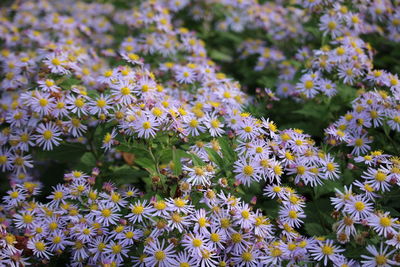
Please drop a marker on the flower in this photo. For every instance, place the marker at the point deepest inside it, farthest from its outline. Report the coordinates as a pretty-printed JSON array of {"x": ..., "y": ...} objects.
[
  {"x": 383, "y": 224},
  {"x": 324, "y": 251},
  {"x": 139, "y": 211},
  {"x": 39, "y": 248},
  {"x": 379, "y": 258},
  {"x": 47, "y": 135},
  {"x": 146, "y": 126},
  {"x": 246, "y": 172},
  {"x": 107, "y": 213},
  {"x": 158, "y": 255}
]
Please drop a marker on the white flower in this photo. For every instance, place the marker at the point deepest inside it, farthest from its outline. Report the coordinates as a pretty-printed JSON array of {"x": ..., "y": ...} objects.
[
  {"x": 379, "y": 258},
  {"x": 158, "y": 255},
  {"x": 325, "y": 250},
  {"x": 39, "y": 248},
  {"x": 48, "y": 135}
]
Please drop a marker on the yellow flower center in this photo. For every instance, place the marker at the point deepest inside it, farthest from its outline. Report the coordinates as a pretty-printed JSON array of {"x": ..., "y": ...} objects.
[
  {"x": 385, "y": 222},
  {"x": 101, "y": 103},
  {"x": 106, "y": 213},
  {"x": 247, "y": 256},
  {"x": 79, "y": 102},
  {"x": 301, "y": 170},
  {"x": 40, "y": 246},
  {"x": 248, "y": 129},
  {"x": 380, "y": 176},
  {"x": 308, "y": 84},
  {"x": 215, "y": 237},
  {"x": 248, "y": 170},
  {"x": 236, "y": 238},
  {"x": 380, "y": 259},
  {"x": 146, "y": 125},
  {"x": 331, "y": 25},
  {"x": 327, "y": 250},
  {"x": 43, "y": 102},
  {"x": 159, "y": 255},
  {"x": 116, "y": 249},
  {"x": 138, "y": 209},
  {"x": 215, "y": 123},
  {"x": 293, "y": 214},
  {"x": 197, "y": 242},
  {"x": 245, "y": 214},
  {"x": 358, "y": 205},
  {"x": 47, "y": 134},
  {"x": 49, "y": 83}
]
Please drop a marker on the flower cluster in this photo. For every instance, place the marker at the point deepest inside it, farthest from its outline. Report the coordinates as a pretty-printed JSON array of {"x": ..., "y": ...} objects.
[{"x": 204, "y": 181}]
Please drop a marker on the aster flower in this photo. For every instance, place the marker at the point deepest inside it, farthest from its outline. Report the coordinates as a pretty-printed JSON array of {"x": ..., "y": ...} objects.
[
  {"x": 246, "y": 172},
  {"x": 108, "y": 140},
  {"x": 360, "y": 144},
  {"x": 378, "y": 179},
  {"x": 48, "y": 85},
  {"x": 39, "y": 248},
  {"x": 139, "y": 212},
  {"x": 158, "y": 255},
  {"x": 146, "y": 126},
  {"x": 214, "y": 125},
  {"x": 193, "y": 125},
  {"x": 116, "y": 251},
  {"x": 198, "y": 175},
  {"x": 183, "y": 259},
  {"x": 383, "y": 224},
  {"x": 330, "y": 25},
  {"x": 194, "y": 244},
  {"x": 291, "y": 216},
  {"x": 123, "y": 92},
  {"x": 48, "y": 135},
  {"x": 324, "y": 251},
  {"x": 248, "y": 258},
  {"x": 379, "y": 258},
  {"x": 185, "y": 75},
  {"x": 107, "y": 214},
  {"x": 77, "y": 105},
  {"x": 42, "y": 103},
  {"x": 358, "y": 207},
  {"x": 101, "y": 105},
  {"x": 57, "y": 63}
]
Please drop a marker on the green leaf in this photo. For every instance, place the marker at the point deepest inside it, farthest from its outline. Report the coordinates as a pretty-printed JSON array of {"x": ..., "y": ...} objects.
[
  {"x": 177, "y": 161},
  {"x": 68, "y": 152},
  {"x": 146, "y": 163},
  {"x": 88, "y": 159},
  {"x": 227, "y": 150},
  {"x": 314, "y": 229},
  {"x": 220, "y": 56},
  {"x": 327, "y": 187},
  {"x": 215, "y": 157},
  {"x": 196, "y": 160},
  {"x": 68, "y": 83},
  {"x": 126, "y": 174}
]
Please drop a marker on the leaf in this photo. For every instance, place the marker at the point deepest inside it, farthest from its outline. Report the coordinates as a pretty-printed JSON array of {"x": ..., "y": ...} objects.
[
  {"x": 220, "y": 56},
  {"x": 327, "y": 187},
  {"x": 88, "y": 159},
  {"x": 68, "y": 152},
  {"x": 146, "y": 163},
  {"x": 177, "y": 161},
  {"x": 227, "y": 150},
  {"x": 196, "y": 160},
  {"x": 312, "y": 110},
  {"x": 68, "y": 83},
  {"x": 215, "y": 157},
  {"x": 126, "y": 174},
  {"x": 314, "y": 229}
]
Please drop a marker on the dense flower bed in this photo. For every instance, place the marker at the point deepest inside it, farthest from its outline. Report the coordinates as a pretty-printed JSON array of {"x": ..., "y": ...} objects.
[{"x": 143, "y": 134}]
